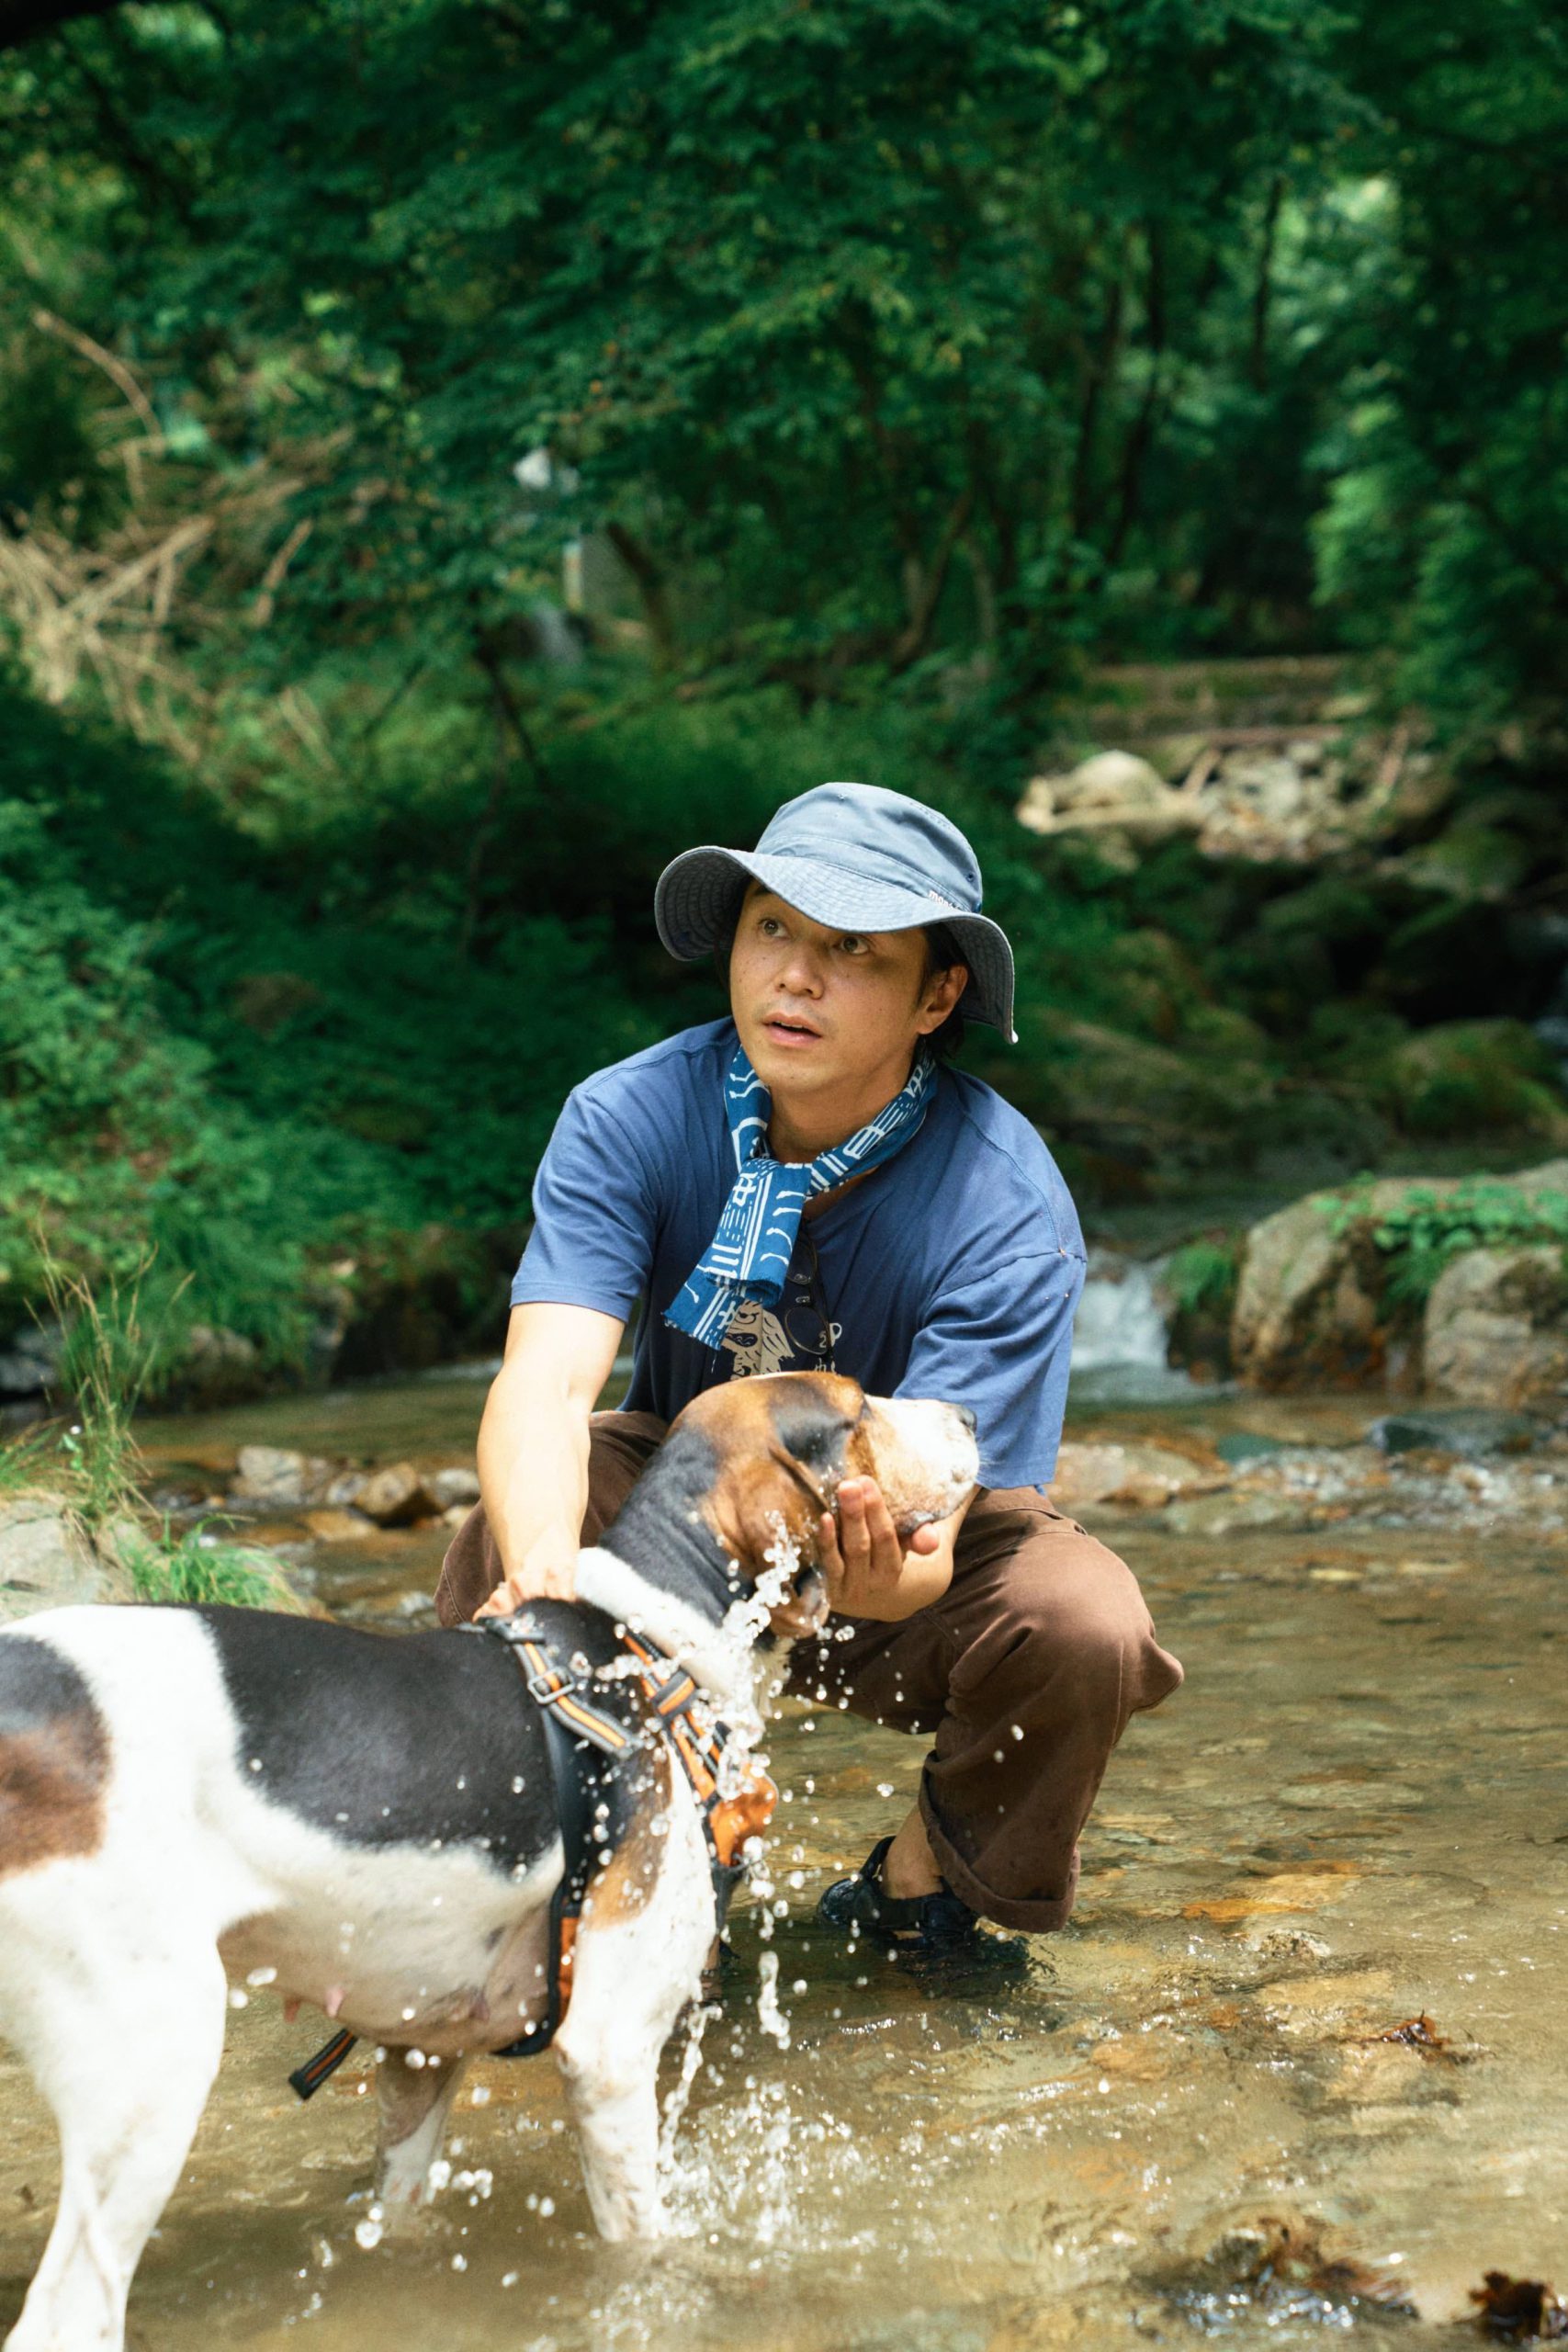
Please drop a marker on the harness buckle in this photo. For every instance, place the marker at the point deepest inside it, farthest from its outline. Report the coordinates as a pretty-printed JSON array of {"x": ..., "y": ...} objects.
[{"x": 547, "y": 1685}]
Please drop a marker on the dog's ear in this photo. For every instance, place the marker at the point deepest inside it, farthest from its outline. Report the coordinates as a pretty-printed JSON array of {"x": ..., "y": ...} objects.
[
  {"x": 781, "y": 1444},
  {"x": 765, "y": 1507}
]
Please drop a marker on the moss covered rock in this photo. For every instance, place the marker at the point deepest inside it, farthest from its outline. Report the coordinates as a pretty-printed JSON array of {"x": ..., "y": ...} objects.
[
  {"x": 1496, "y": 1328},
  {"x": 1320, "y": 1301}
]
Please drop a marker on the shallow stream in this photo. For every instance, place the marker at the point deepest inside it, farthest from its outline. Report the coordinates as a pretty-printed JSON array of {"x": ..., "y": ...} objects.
[{"x": 1208, "y": 2107}]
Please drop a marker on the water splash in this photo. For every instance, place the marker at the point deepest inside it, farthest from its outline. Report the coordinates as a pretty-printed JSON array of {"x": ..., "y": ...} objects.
[{"x": 769, "y": 2016}]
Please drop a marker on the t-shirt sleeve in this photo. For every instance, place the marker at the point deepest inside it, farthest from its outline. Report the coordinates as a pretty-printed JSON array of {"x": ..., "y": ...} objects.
[
  {"x": 1001, "y": 1345},
  {"x": 594, "y": 1216}
]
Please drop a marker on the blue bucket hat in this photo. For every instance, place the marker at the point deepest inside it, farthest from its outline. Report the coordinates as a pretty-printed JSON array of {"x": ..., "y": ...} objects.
[{"x": 857, "y": 857}]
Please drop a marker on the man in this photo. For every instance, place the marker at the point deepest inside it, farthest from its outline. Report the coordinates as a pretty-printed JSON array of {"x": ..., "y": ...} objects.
[{"x": 808, "y": 1184}]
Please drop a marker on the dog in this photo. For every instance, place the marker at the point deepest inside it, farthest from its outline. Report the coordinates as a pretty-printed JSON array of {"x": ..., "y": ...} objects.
[{"x": 369, "y": 1822}]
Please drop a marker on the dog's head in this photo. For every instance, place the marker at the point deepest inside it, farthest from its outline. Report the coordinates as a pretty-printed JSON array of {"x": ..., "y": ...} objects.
[{"x": 782, "y": 1446}]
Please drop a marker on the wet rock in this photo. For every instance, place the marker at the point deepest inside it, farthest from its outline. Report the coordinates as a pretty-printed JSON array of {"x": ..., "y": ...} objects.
[
  {"x": 1272, "y": 1940},
  {"x": 331, "y": 1526},
  {"x": 1496, "y": 1326},
  {"x": 342, "y": 1489},
  {"x": 1307, "y": 1308},
  {"x": 46, "y": 1562},
  {"x": 1310, "y": 1310},
  {"x": 396, "y": 1496},
  {"x": 1238, "y": 1446},
  {"x": 1136, "y": 1473},
  {"x": 31, "y": 1357},
  {"x": 1224, "y": 1514},
  {"x": 217, "y": 1366},
  {"x": 1470, "y": 1430},
  {"x": 1142, "y": 1105},
  {"x": 1462, "y": 1078},
  {"x": 454, "y": 1486},
  {"x": 1283, "y": 2269},
  {"x": 280, "y": 1476}
]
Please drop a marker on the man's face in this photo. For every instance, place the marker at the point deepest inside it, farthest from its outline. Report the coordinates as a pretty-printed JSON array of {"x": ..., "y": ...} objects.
[{"x": 818, "y": 1008}]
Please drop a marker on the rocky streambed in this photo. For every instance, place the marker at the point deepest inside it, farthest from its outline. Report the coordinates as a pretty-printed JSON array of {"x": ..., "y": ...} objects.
[{"x": 1297, "y": 2063}]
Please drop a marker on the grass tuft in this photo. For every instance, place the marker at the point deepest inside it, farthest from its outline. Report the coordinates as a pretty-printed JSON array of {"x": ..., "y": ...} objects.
[{"x": 198, "y": 1567}]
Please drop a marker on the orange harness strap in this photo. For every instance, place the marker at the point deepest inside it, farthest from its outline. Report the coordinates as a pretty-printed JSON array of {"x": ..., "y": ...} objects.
[{"x": 731, "y": 1815}]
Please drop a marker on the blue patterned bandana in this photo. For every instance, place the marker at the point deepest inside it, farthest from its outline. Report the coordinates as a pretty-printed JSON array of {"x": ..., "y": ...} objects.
[{"x": 748, "y": 1256}]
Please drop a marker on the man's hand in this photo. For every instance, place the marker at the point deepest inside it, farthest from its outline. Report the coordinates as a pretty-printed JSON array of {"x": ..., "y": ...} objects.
[
  {"x": 549, "y": 1573},
  {"x": 869, "y": 1572}
]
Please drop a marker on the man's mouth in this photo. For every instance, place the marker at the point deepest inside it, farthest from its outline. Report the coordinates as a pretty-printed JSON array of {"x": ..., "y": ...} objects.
[{"x": 789, "y": 1029}]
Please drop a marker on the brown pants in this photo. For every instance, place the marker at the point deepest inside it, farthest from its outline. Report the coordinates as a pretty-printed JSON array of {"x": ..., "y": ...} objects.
[{"x": 1027, "y": 1672}]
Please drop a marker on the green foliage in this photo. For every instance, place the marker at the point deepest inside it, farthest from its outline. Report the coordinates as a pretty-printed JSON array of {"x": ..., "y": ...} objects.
[
  {"x": 1202, "y": 1277},
  {"x": 886, "y": 360},
  {"x": 1421, "y": 1234}
]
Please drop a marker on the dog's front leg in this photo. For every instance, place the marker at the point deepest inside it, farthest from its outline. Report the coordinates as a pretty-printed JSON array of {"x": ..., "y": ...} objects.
[
  {"x": 414, "y": 2103},
  {"x": 639, "y": 1953}
]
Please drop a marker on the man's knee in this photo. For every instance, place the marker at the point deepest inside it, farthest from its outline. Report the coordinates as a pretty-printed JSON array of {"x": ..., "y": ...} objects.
[{"x": 1079, "y": 1625}]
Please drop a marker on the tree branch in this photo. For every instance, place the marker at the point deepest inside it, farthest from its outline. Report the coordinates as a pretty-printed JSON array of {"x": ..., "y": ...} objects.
[
  {"x": 1263, "y": 291},
  {"x": 1138, "y": 440},
  {"x": 910, "y": 642},
  {"x": 652, "y": 586}
]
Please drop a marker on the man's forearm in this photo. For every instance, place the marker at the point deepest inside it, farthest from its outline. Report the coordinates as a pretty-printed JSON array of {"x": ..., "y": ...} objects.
[
  {"x": 534, "y": 1443},
  {"x": 533, "y": 1463}
]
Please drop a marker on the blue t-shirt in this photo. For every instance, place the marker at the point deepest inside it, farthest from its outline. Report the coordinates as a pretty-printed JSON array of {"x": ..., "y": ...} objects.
[{"x": 952, "y": 1270}]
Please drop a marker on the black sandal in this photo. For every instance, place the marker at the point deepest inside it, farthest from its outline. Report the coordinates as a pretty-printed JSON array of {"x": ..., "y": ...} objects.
[{"x": 940, "y": 1922}]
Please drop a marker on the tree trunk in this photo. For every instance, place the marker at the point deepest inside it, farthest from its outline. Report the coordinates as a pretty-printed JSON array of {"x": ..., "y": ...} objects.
[{"x": 652, "y": 586}]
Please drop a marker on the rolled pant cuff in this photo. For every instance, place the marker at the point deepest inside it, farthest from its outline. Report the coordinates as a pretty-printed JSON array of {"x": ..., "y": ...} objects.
[{"x": 1040, "y": 1918}]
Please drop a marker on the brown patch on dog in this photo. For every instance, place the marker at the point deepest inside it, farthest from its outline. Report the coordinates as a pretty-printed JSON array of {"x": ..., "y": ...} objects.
[
  {"x": 52, "y": 1778},
  {"x": 763, "y": 1487},
  {"x": 623, "y": 1887}
]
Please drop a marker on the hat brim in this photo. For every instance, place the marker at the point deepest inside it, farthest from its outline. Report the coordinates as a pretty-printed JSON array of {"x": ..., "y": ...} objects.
[{"x": 698, "y": 893}]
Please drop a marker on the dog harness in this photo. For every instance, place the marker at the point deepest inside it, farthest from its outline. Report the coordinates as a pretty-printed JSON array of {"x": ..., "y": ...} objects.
[{"x": 589, "y": 1746}]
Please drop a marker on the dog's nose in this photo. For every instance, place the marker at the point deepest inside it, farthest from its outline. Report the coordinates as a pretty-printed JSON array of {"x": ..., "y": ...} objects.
[{"x": 967, "y": 1418}]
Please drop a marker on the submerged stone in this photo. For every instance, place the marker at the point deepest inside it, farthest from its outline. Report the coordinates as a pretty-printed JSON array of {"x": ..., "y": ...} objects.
[{"x": 1470, "y": 1429}]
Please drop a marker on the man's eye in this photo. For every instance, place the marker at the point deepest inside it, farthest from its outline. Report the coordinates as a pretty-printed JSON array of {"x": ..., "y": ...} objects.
[{"x": 852, "y": 944}]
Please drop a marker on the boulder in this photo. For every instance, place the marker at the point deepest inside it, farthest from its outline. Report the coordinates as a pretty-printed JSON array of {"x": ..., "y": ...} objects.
[
  {"x": 1309, "y": 1309},
  {"x": 30, "y": 1359},
  {"x": 1496, "y": 1326},
  {"x": 451, "y": 1488},
  {"x": 280, "y": 1476},
  {"x": 1133, "y": 1473},
  {"x": 216, "y": 1366},
  {"x": 1116, "y": 792},
  {"x": 46, "y": 1562},
  {"x": 1306, "y": 1308},
  {"x": 396, "y": 1496}
]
